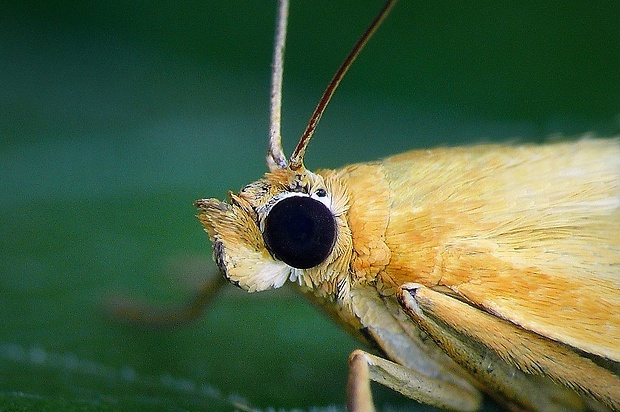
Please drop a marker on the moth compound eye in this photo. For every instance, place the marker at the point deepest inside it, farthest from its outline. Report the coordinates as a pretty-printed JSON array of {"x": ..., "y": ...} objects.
[{"x": 300, "y": 231}]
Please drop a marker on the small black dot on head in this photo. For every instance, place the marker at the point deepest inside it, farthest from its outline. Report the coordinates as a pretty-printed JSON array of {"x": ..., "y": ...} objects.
[{"x": 321, "y": 193}]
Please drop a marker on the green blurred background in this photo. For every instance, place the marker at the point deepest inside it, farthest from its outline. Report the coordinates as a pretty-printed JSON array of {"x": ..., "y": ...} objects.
[{"x": 115, "y": 116}]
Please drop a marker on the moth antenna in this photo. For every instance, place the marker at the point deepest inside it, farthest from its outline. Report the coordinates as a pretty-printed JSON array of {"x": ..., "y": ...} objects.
[
  {"x": 276, "y": 159},
  {"x": 296, "y": 161}
]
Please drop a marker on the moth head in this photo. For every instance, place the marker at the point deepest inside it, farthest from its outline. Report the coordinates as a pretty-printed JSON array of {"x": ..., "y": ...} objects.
[
  {"x": 275, "y": 229},
  {"x": 291, "y": 223}
]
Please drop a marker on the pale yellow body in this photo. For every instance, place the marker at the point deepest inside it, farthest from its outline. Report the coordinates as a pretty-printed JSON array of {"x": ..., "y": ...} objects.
[
  {"x": 524, "y": 240},
  {"x": 529, "y": 233}
]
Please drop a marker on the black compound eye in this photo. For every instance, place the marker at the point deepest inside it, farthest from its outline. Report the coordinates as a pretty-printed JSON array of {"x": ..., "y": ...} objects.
[{"x": 300, "y": 231}]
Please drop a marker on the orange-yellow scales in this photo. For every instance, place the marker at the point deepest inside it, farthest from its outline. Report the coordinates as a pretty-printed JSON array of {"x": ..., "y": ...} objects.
[{"x": 529, "y": 234}]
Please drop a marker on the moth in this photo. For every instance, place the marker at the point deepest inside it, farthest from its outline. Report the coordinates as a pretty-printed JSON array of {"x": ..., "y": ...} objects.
[{"x": 483, "y": 269}]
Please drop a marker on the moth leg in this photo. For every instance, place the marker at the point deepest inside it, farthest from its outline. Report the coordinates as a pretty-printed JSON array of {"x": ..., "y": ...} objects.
[
  {"x": 130, "y": 311},
  {"x": 359, "y": 395},
  {"x": 507, "y": 359},
  {"x": 364, "y": 367}
]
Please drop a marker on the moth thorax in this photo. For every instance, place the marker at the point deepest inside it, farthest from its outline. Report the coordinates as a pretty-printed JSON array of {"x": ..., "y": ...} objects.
[{"x": 300, "y": 230}]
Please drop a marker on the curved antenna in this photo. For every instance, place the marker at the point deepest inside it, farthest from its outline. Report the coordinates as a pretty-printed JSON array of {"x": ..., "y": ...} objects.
[
  {"x": 276, "y": 159},
  {"x": 296, "y": 161}
]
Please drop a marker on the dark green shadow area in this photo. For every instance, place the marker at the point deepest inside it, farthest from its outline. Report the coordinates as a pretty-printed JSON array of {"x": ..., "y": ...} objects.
[{"x": 115, "y": 117}]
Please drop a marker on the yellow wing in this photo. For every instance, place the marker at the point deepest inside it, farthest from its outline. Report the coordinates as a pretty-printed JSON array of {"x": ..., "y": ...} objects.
[{"x": 528, "y": 233}]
